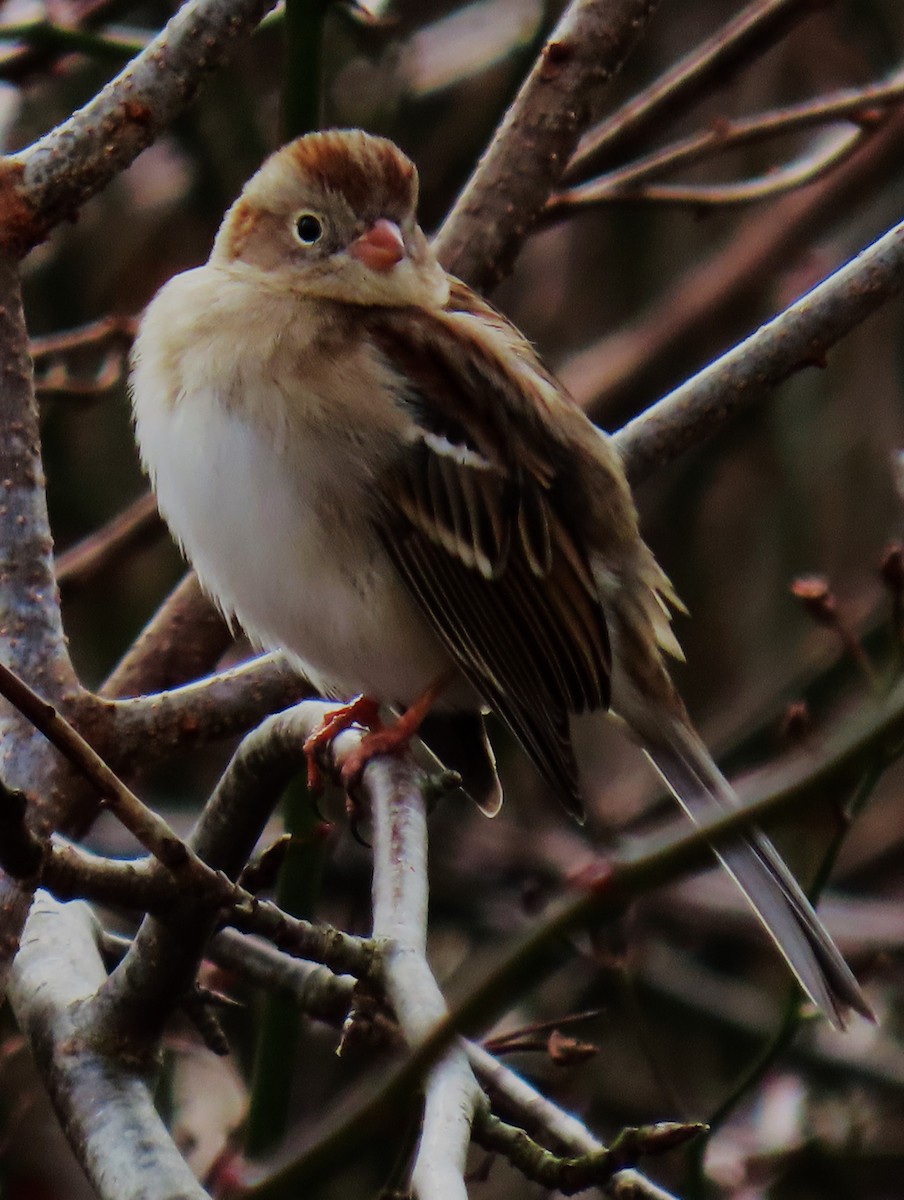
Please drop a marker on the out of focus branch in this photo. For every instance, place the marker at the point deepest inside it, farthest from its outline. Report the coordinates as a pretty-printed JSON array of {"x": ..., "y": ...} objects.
[
  {"x": 508, "y": 190},
  {"x": 708, "y": 66},
  {"x": 137, "y": 525},
  {"x": 813, "y": 164},
  {"x": 799, "y": 337},
  {"x": 865, "y": 108},
  {"x": 184, "y": 639},
  {"x": 626, "y": 363},
  {"x": 862, "y": 107},
  {"x": 50, "y": 180}
]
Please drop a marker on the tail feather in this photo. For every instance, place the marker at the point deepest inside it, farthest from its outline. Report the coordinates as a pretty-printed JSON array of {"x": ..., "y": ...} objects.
[{"x": 774, "y": 894}]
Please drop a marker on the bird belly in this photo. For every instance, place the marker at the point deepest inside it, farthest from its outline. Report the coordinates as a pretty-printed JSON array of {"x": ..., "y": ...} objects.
[{"x": 287, "y": 550}]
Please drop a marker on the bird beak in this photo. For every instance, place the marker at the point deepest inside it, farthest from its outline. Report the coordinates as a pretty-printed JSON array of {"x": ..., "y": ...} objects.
[{"x": 379, "y": 247}]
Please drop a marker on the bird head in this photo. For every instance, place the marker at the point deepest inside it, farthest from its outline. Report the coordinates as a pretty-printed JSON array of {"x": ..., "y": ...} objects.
[{"x": 332, "y": 215}]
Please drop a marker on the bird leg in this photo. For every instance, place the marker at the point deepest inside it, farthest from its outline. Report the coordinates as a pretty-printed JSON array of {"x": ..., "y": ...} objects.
[
  {"x": 394, "y": 738},
  {"x": 363, "y": 710}
]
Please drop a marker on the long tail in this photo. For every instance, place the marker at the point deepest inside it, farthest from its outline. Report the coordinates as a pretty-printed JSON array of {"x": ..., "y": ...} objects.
[{"x": 773, "y": 892}]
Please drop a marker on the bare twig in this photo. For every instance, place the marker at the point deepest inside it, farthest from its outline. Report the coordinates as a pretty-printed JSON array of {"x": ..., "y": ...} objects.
[
  {"x": 862, "y": 107},
  {"x": 183, "y": 640},
  {"x": 134, "y": 527},
  {"x": 50, "y": 180},
  {"x": 19, "y": 63},
  {"x": 799, "y": 337},
  {"x": 94, "y": 335},
  {"x": 150, "y": 829},
  {"x": 525, "y": 160},
  {"x": 317, "y": 991},
  {"x": 711, "y": 64},
  {"x": 828, "y": 154},
  {"x": 630, "y": 360},
  {"x": 596, "y": 1168}
]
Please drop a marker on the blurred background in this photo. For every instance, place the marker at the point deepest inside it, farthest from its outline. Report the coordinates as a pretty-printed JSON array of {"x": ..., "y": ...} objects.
[{"x": 624, "y": 300}]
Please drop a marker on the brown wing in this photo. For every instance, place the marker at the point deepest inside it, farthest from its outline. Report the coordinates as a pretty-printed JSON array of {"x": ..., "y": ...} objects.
[{"x": 472, "y": 522}]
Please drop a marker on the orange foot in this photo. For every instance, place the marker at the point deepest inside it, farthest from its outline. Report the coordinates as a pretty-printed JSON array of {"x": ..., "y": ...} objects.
[
  {"x": 363, "y": 710},
  {"x": 391, "y": 739}
]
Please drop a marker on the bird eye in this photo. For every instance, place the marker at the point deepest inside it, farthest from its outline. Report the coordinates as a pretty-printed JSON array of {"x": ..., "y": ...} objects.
[{"x": 309, "y": 229}]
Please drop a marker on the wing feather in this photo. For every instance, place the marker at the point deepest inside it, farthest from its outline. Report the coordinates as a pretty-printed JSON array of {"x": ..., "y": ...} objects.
[{"x": 476, "y": 520}]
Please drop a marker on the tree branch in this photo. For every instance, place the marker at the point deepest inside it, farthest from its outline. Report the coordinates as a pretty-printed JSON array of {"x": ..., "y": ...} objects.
[
  {"x": 218, "y": 706},
  {"x": 400, "y": 918},
  {"x": 48, "y": 182},
  {"x": 183, "y": 640},
  {"x": 507, "y": 192},
  {"x": 708, "y": 66},
  {"x": 799, "y": 337},
  {"x": 102, "y": 1097},
  {"x": 163, "y": 960}
]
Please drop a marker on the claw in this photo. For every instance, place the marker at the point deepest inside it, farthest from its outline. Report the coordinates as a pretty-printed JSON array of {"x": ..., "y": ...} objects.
[
  {"x": 363, "y": 710},
  {"x": 391, "y": 739}
]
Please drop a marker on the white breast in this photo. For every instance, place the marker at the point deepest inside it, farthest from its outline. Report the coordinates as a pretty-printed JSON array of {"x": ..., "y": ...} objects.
[{"x": 265, "y": 486}]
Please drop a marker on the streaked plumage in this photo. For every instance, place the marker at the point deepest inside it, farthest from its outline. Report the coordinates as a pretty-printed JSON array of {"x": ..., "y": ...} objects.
[{"x": 371, "y": 468}]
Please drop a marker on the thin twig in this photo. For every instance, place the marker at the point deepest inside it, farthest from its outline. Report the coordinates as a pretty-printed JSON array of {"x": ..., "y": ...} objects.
[
  {"x": 137, "y": 525},
  {"x": 862, "y": 107},
  {"x": 631, "y": 361},
  {"x": 829, "y": 153},
  {"x": 709, "y": 65},
  {"x": 150, "y": 829},
  {"x": 92, "y": 336},
  {"x": 596, "y": 1168}
]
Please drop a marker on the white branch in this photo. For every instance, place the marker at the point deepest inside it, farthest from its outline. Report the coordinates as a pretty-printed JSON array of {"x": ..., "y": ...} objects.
[
  {"x": 101, "y": 1096},
  {"x": 400, "y": 916}
]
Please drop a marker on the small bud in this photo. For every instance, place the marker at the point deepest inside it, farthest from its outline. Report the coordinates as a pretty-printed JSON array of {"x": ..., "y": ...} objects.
[
  {"x": 567, "y": 1051},
  {"x": 796, "y": 722},
  {"x": 816, "y": 596}
]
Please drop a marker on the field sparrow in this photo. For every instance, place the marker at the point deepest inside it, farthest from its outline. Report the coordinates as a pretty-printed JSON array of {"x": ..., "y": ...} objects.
[{"x": 371, "y": 469}]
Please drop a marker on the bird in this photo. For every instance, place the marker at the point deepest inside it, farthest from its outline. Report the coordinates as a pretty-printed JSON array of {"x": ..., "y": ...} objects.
[{"x": 371, "y": 469}]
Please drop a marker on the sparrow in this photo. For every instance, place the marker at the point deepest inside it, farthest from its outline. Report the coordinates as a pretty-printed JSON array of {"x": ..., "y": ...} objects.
[{"x": 371, "y": 469}]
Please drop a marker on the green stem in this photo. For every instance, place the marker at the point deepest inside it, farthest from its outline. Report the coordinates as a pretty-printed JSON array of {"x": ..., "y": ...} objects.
[
  {"x": 304, "y": 66},
  {"x": 43, "y": 35},
  {"x": 297, "y": 892}
]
